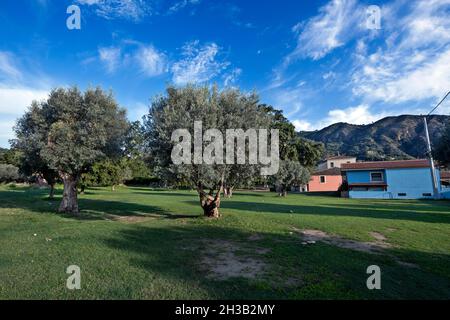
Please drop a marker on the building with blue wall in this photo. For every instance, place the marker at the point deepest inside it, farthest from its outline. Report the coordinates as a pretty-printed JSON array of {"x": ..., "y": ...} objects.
[{"x": 404, "y": 179}]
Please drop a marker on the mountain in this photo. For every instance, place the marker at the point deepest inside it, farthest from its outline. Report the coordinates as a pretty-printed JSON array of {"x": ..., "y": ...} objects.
[{"x": 401, "y": 137}]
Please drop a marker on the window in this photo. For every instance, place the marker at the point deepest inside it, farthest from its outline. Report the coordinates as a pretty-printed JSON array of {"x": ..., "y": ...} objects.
[
  {"x": 376, "y": 176},
  {"x": 332, "y": 164},
  {"x": 322, "y": 179},
  {"x": 402, "y": 194},
  {"x": 426, "y": 194}
]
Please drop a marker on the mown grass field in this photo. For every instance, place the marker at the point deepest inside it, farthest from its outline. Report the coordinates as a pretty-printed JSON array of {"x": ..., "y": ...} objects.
[{"x": 137, "y": 243}]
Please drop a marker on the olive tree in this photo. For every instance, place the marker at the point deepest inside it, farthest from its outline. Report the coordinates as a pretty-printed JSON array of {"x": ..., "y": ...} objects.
[
  {"x": 291, "y": 173},
  {"x": 72, "y": 130},
  {"x": 216, "y": 112}
]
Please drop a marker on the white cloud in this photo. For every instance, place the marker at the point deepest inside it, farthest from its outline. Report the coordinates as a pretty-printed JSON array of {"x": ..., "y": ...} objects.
[
  {"x": 413, "y": 64},
  {"x": 179, "y": 5},
  {"x": 151, "y": 62},
  {"x": 302, "y": 125},
  {"x": 336, "y": 22},
  {"x": 111, "y": 57},
  {"x": 231, "y": 78},
  {"x": 199, "y": 64},
  {"x": 6, "y": 131},
  {"x": 127, "y": 9},
  {"x": 14, "y": 101},
  {"x": 354, "y": 115},
  {"x": 8, "y": 68}
]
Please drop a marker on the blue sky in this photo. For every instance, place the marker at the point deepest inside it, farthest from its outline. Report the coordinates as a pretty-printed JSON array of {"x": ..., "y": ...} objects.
[{"x": 316, "y": 60}]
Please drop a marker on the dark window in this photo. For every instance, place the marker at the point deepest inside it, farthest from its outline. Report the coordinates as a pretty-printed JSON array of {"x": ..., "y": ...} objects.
[
  {"x": 376, "y": 176},
  {"x": 426, "y": 194},
  {"x": 402, "y": 194},
  {"x": 332, "y": 164},
  {"x": 322, "y": 179}
]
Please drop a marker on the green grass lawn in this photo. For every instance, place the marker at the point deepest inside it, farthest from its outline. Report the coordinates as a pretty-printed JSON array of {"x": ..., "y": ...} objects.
[{"x": 137, "y": 243}]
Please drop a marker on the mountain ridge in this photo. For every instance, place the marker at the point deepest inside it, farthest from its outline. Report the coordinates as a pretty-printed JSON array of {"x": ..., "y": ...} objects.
[{"x": 390, "y": 138}]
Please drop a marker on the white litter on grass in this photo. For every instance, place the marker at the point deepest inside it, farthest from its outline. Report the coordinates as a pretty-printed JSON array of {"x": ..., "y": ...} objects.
[{"x": 35, "y": 234}]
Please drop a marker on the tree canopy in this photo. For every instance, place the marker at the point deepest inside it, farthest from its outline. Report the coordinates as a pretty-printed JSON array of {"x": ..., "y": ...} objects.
[{"x": 220, "y": 110}]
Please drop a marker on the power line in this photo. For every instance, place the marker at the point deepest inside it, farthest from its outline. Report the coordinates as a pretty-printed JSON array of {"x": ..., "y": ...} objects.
[{"x": 438, "y": 104}]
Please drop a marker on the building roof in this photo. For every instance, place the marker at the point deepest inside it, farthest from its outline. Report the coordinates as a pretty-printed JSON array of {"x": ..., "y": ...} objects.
[
  {"x": 398, "y": 164},
  {"x": 339, "y": 158},
  {"x": 445, "y": 174},
  {"x": 328, "y": 172}
]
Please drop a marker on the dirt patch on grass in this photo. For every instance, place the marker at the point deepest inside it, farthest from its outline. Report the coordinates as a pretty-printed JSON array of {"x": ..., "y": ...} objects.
[
  {"x": 371, "y": 247},
  {"x": 221, "y": 261},
  {"x": 378, "y": 236},
  {"x": 131, "y": 219}
]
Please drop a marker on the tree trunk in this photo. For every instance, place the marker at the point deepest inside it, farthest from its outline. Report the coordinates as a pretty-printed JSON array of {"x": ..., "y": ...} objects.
[
  {"x": 210, "y": 204},
  {"x": 52, "y": 191},
  {"x": 113, "y": 188},
  {"x": 228, "y": 192},
  {"x": 69, "y": 203},
  {"x": 282, "y": 191}
]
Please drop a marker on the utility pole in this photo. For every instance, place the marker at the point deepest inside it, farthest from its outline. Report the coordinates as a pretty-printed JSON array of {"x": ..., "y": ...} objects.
[
  {"x": 430, "y": 157},
  {"x": 436, "y": 194}
]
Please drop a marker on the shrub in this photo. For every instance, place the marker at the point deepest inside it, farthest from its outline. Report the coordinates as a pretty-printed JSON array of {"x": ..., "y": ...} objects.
[{"x": 8, "y": 173}]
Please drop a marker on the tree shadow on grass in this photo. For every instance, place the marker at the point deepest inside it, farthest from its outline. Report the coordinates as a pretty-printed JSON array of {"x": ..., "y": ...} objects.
[
  {"x": 320, "y": 271},
  {"x": 437, "y": 214},
  {"x": 90, "y": 209}
]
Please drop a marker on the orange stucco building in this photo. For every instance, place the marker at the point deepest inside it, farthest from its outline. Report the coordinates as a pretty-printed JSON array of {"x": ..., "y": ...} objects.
[{"x": 325, "y": 180}]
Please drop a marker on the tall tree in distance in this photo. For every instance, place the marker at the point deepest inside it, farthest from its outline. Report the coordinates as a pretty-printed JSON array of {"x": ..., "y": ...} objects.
[{"x": 72, "y": 130}]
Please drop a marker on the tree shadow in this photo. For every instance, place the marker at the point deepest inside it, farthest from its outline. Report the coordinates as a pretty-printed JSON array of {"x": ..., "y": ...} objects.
[
  {"x": 90, "y": 209},
  {"x": 292, "y": 271},
  {"x": 441, "y": 214}
]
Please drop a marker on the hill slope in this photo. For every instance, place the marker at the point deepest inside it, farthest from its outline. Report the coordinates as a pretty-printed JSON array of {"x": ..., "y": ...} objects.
[{"x": 401, "y": 137}]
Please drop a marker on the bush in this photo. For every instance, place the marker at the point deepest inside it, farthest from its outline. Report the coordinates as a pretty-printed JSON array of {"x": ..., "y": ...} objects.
[{"x": 8, "y": 173}]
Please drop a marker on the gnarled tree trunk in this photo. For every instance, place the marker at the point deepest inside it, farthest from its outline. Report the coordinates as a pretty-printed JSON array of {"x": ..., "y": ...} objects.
[
  {"x": 209, "y": 203},
  {"x": 69, "y": 203}
]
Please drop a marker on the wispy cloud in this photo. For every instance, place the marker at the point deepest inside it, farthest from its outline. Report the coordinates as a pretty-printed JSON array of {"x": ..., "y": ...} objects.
[
  {"x": 110, "y": 57},
  {"x": 181, "y": 4},
  {"x": 413, "y": 63},
  {"x": 151, "y": 61},
  {"x": 336, "y": 23},
  {"x": 8, "y": 68},
  {"x": 231, "y": 78},
  {"x": 18, "y": 88},
  {"x": 133, "y": 10},
  {"x": 199, "y": 63}
]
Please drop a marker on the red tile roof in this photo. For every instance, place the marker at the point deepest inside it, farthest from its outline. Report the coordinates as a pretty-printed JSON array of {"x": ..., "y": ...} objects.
[
  {"x": 420, "y": 163},
  {"x": 328, "y": 172}
]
